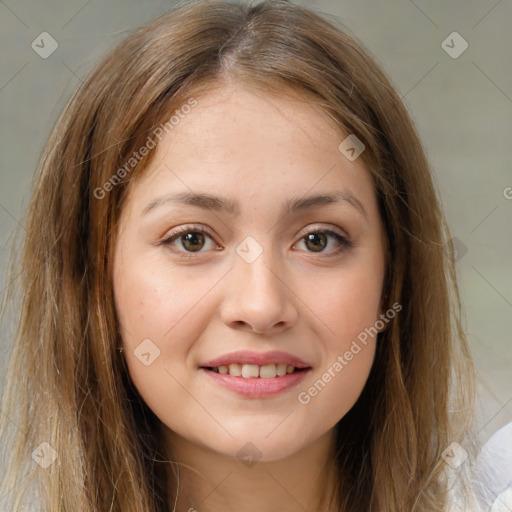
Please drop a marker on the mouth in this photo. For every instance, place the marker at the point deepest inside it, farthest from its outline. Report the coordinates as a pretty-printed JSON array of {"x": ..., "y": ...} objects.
[
  {"x": 251, "y": 364},
  {"x": 256, "y": 375},
  {"x": 254, "y": 371},
  {"x": 253, "y": 381}
]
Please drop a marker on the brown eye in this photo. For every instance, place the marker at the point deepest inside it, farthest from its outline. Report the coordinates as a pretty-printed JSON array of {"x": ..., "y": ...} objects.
[
  {"x": 192, "y": 241},
  {"x": 316, "y": 241},
  {"x": 188, "y": 240}
]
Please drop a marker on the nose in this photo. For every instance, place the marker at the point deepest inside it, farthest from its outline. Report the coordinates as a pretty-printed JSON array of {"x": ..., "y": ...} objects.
[{"x": 259, "y": 297}]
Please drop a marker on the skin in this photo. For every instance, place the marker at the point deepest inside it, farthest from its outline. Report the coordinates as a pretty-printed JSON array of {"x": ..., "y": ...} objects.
[{"x": 259, "y": 150}]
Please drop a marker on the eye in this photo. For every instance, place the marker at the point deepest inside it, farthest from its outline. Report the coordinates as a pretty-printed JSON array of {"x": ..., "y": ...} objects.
[
  {"x": 318, "y": 239},
  {"x": 191, "y": 238}
]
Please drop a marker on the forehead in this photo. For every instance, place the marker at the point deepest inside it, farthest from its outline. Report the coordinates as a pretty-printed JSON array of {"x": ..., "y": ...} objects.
[
  {"x": 238, "y": 140},
  {"x": 237, "y": 117}
]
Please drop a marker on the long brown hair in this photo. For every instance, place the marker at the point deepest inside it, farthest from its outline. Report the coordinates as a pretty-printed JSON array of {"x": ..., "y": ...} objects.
[{"x": 67, "y": 383}]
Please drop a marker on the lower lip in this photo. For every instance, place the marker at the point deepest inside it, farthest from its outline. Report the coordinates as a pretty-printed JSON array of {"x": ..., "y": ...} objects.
[{"x": 257, "y": 387}]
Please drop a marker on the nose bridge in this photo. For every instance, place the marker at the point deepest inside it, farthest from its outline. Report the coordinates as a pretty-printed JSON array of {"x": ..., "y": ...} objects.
[{"x": 257, "y": 295}]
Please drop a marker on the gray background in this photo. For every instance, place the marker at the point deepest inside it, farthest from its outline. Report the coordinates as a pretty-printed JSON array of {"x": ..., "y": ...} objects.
[{"x": 462, "y": 107}]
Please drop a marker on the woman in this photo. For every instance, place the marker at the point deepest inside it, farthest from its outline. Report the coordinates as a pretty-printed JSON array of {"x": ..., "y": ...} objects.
[{"x": 308, "y": 355}]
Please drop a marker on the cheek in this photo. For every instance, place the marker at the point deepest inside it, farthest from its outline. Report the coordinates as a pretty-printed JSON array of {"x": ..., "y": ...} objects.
[
  {"x": 337, "y": 386},
  {"x": 349, "y": 305},
  {"x": 154, "y": 314},
  {"x": 348, "y": 349},
  {"x": 161, "y": 312},
  {"x": 152, "y": 303},
  {"x": 348, "y": 302}
]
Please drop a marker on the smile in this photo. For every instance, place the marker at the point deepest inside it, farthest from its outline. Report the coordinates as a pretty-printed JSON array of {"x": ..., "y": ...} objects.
[
  {"x": 267, "y": 371},
  {"x": 252, "y": 382}
]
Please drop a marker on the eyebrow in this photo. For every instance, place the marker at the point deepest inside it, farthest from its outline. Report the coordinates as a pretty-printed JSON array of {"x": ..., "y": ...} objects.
[{"x": 232, "y": 207}]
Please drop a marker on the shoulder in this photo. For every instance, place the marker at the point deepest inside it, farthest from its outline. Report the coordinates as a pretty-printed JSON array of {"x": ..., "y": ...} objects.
[{"x": 492, "y": 472}]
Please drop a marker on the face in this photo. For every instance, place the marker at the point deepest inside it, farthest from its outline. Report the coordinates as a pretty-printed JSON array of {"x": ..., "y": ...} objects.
[{"x": 256, "y": 279}]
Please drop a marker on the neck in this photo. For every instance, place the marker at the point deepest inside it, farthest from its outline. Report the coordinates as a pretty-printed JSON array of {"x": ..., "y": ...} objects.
[{"x": 210, "y": 482}]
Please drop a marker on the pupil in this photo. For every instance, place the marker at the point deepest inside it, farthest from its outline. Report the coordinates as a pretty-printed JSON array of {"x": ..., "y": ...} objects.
[
  {"x": 191, "y": 238},
  {"x": 312, "y": 236}
]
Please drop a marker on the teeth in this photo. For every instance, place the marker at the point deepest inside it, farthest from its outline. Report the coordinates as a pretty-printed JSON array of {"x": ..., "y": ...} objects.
[
  {"x": 281, "y": 369},
  {"x": 267, "y": 371},
  {"x": 235, "y": 370},
  {"x": 250, "y": 370}
]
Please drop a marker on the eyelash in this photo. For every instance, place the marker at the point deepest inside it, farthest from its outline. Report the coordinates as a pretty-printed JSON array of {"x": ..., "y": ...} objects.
[{"x": 343, "y": 242}]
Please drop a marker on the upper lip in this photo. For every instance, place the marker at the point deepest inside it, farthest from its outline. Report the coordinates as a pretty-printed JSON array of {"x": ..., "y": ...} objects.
[{"x": 259, "y": 358}]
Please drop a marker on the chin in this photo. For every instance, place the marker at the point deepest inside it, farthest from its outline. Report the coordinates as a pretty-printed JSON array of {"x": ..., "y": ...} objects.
[{"x": 258, "y": 445}]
